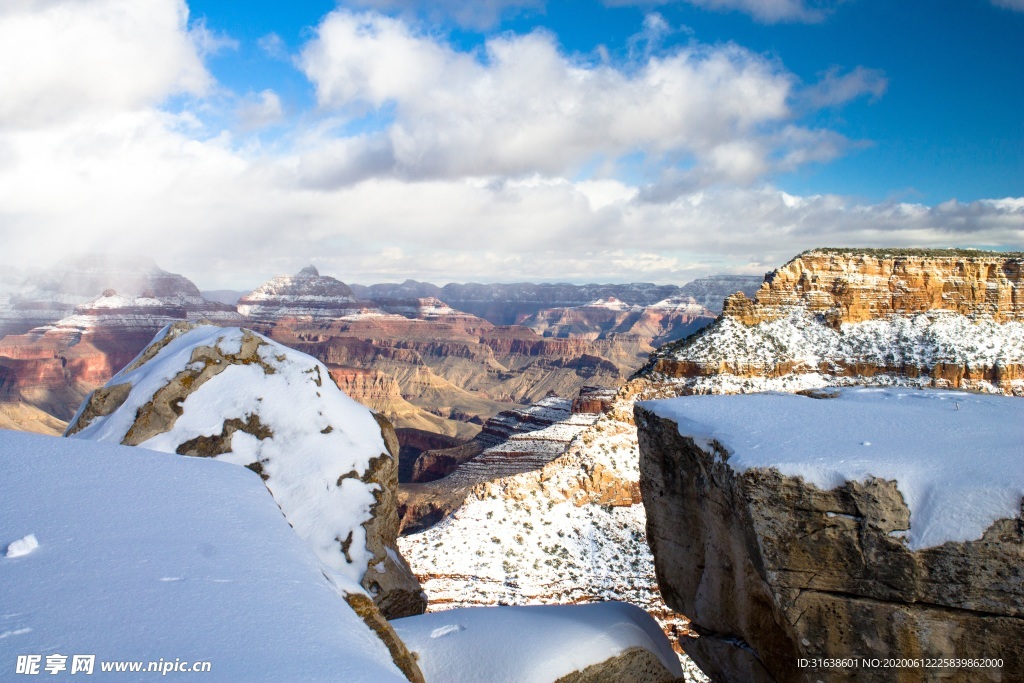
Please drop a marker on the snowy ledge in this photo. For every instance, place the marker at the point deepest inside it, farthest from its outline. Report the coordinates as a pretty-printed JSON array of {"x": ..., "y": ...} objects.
[{"x": 957, "y": 457}]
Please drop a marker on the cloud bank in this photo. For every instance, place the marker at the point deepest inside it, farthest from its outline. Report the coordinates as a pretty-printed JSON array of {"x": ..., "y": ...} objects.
[{"x": 517, "y": 161}]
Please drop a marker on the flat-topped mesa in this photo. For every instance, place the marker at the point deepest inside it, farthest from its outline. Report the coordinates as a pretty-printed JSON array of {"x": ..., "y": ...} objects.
[
  {"x": 939, "y": 318},
  {"x": 307, "y": 294},
  {"x": 854, "y": 285}
]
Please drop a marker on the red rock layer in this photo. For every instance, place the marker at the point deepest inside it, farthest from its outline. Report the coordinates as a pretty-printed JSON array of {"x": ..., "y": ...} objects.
[{"x": 852, "y": 286}]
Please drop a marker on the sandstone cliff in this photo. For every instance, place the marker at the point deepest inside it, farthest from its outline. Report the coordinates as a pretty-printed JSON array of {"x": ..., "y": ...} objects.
[
  {"x": 810, "y": 541},
  {"x": 947, "y": 319}
]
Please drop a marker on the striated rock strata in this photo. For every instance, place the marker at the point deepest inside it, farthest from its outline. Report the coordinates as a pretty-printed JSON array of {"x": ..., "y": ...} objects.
[
  {"x": 773, "y": 569},
  {"x": 331, "y": 464},
  {"x": 944, "y": 319},
  {"x": 422, "y": 363}
]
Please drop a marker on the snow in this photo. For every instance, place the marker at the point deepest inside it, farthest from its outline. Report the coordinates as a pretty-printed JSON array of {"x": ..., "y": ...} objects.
[
  {"x": 536, "y": 644},
  {"x": 118, "y": 523},
  {"x": 921, "y": 340},
  {"x": 611, "y": 304},
  {"x": 533, "y": 539},
  {"x": 118, "y": 301},
  {"x": 319, "y": 436},
  {"x": 957, "y": 457},
  {"x": 23, "y": 546}
]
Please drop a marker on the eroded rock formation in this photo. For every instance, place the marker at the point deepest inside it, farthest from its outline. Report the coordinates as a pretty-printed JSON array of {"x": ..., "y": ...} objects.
[
  {"x": 331, "y": 464},
  {"x": 772, "y": 569},
  {"x": 945, "y": 319}
]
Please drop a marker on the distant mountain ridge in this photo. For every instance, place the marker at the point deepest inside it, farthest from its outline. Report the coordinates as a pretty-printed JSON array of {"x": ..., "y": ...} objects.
[{"x": 510, "y": 304}]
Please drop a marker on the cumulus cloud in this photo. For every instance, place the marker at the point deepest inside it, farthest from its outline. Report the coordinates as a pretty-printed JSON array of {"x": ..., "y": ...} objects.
[
  {"x": 260, "y": 110},
  {"x": 466, "y": 167},
  {"x": 523, "y": 106},
  {"x": 63, "y": 57},
  {"x": 1016, "y": 5},
  {"x": 767, "y": 11}
]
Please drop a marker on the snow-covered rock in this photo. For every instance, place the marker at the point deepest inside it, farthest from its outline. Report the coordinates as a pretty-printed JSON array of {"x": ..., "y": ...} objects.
[
  {"x": 861, "y": 522},
  {"x": 569, "y": 529},
  {"x": 610, "y": 641},
  {"x": 148, "y": 557},
  {"x": 233, "y": 395},
  {"x": 942, "y": 318},
  {"x": 305, "y": 295}
]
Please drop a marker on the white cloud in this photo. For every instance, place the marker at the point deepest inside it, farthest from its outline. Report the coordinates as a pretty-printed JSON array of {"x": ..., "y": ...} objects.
[
  {"x": 836, "y": 88},
  {"x": 63, "y": 57},
  {"x": 523, "y": 106},
  {"x": 467, "y": 174},
  {"x": 767, "y": 11},
  {"x": 273, "y": 46},
  {"x": 209, "y": 42},
  {"x": 260, "y": 110}
]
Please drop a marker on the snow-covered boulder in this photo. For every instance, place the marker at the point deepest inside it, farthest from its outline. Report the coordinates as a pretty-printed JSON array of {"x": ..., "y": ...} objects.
[
  {"x": 610, "y": 641},
  {"x": 235, "y": 396},
  {"x": 128, "y": 556},
  {"x": 841, "y": 526}
]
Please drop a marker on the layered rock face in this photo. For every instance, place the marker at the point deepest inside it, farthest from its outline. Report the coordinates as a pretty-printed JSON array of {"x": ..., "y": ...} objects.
[
  {"x": 783, "y": 549},
  {"x": 306, "y": 295},
  {"x": 513, "y": 441},
  {"x": 640, "y": 328},
  {"x": 509, "y": 304},
  {"x": 67, "y": 330},
  {"x": 942, "y": 319},
  {"x": 851, "y": 286},
  {"x": 233, "y": 395},
  {"x": 453, "y": 370}
]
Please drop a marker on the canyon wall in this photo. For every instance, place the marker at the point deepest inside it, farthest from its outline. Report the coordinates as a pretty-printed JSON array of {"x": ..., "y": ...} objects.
[{"x": 947, "y": 319}]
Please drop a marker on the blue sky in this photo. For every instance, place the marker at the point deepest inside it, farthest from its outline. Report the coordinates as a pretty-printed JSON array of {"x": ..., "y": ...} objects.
[
  {"x": 947, "y": 126},
  {"x": 507, "y": 139}
]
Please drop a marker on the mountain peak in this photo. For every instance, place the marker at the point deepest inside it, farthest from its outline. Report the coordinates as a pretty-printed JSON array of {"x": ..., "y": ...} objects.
[{"x": 308, "y": 271}]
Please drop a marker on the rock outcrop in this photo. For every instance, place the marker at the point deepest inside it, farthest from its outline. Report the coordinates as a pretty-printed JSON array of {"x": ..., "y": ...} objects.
[
  {"x": 83, "y": 320},
  {"x": 945, "y": 319},
  {"x": 559, "y": 521},
  {"x": 773, "y": 569},
  {"x": 854, "y": 285},
  {"x": 330, "y": 463}
]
